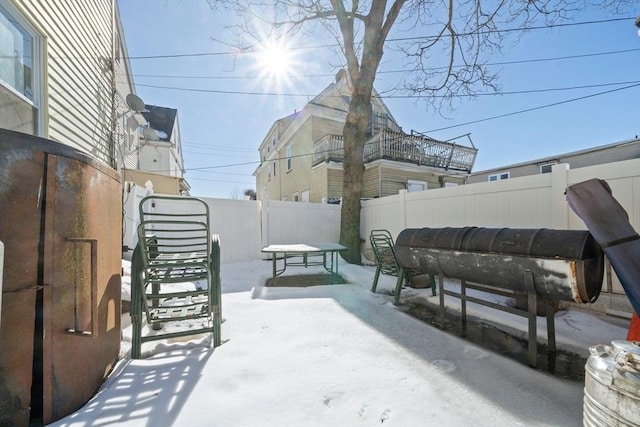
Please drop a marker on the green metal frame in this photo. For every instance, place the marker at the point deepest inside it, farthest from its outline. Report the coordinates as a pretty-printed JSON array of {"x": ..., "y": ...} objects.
[
  {"x": 174, "y": 248},
  {"x": 387, "y": 263}
]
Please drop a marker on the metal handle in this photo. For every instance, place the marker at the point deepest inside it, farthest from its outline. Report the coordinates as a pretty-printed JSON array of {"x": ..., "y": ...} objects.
[{"x": 93, "y": 243}]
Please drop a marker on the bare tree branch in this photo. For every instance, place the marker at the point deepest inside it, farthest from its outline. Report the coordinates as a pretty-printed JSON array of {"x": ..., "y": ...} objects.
[{"x": 467, "y": 31}]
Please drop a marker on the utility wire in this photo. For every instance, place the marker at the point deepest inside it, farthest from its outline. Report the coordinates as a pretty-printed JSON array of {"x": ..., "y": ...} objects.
[
  {"x": 305, "y": 76},
  {"x": 413, "y": 96},
  {"x": 217, "y": 147},
  {"x": 534, "y": 108},
  {"x": 252, "y": 49},
  {"x": 510, "y": 30},
  {"x": 204, "y": 168},
  {"x": 216, "y": 154},
  {"x": 220, "y": 180}
]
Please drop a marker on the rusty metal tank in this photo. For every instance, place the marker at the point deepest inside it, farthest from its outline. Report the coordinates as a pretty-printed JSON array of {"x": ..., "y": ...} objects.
[
  {"x": 566, "y": 265},
  {"x": 60, "y": 222}
]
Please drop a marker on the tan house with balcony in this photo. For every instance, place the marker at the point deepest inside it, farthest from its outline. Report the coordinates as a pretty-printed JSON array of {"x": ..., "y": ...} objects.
[{"x": 302, "y": 154}]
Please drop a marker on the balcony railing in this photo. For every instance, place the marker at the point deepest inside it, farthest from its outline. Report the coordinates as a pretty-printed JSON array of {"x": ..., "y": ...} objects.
[
  {"x": 378, "y": 122},
  {"x": 402, "y": 147}
]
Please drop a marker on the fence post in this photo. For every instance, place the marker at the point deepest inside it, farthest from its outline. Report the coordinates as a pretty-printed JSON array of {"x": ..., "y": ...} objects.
[
  {"x": 264, "y": 219},
  {"x": 559, "y": 206},
  {"x": 402, "y": 209}
]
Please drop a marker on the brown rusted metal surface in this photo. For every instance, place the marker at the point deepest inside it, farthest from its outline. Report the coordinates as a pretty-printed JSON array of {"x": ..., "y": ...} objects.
[
  {"x": 21, "y": 171},
  {"x": 566, "y": 264},
  {"x": 60, "y": 221}
]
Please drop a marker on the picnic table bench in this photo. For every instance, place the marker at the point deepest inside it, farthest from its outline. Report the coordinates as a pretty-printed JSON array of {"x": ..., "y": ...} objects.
[{"x": 305, "y": 255}]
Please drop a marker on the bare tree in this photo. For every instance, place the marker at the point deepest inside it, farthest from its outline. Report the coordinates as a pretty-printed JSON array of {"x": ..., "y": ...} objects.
[{"x": 467, "y": 31}]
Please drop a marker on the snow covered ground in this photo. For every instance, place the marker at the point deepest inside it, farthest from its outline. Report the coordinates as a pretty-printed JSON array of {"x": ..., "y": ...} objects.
[{"x": 337, "y": 355}]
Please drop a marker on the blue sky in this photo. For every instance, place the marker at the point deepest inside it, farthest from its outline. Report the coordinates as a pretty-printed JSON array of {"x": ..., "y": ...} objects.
[{"x": 225, "y": 116}]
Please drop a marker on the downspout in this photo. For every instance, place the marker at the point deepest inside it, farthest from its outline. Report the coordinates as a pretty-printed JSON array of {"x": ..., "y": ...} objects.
[{"x": 112, "y": 61}]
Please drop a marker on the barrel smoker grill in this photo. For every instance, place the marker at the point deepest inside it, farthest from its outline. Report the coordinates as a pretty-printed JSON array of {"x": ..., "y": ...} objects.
[{"x": 538, "y": 265}]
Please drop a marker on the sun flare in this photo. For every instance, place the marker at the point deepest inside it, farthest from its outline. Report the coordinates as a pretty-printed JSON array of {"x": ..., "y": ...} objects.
[{"x": 274, "y": 60}]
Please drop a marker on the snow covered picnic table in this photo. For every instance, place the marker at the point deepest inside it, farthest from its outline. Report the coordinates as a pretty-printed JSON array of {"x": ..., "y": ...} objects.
[
  {"x": 336, "y": 355},
  {"x": 306, "y": 252}
]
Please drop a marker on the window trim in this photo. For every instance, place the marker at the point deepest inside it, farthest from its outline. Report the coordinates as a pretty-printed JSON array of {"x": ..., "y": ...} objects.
[
  {"x": 546, "y": 164},
  {"x": 499, "y": 176},
  {"x": 289, "y": 158},
  {"x": 411, "y": 182},
  {"x": 37, "y": 69}
]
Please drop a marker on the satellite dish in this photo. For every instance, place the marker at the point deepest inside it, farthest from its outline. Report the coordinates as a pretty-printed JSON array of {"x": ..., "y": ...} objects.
[
  {"x": 135, "y": 103},
  {"x": 150, "y": 134}
]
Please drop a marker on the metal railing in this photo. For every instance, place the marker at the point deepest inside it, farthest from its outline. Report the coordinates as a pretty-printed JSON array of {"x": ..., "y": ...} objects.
[
  {"x": 379, "y": 122},
  {"x": 403, "y": 147}
]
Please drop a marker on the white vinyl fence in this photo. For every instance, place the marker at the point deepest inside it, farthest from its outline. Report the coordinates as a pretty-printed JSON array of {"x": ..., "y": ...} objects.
[
  {"x": 292, "y": 222},
  {"x": 536, "y": 201},
  {"x": 245, "y": 226}
]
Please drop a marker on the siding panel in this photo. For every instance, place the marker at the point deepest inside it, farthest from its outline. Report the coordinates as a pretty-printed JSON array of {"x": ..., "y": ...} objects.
[
  {"x": 78, "y": 38},
  {"x": 371, "y": 182},
  {"x": 334, "y": 183},
  {"x": 318, "y": 185}
]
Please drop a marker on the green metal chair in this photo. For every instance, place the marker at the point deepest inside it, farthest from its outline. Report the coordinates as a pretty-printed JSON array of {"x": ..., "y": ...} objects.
[
  {"x": 175, "y": 246},
  {"x": 387, "y": 263}
]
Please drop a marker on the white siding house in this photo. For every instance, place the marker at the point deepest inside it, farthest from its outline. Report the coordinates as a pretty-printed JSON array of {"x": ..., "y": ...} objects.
[
  {"x": 159, "y": 153},
  {"x": 59, "y": 71}
]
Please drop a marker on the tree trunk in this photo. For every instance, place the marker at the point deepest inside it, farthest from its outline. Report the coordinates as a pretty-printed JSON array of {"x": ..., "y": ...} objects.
[{"x": 354, "y": 133}]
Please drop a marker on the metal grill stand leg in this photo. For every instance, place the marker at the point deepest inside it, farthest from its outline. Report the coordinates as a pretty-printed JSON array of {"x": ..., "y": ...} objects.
[
  {"x": 463, "y": 306},
  {"x": 441, "y": 286},
  {"x": 533, "y": 329},
  {"x": 551, "y": 327}
]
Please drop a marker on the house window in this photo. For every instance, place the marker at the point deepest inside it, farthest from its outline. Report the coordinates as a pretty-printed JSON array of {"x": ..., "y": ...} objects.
[
  {"x": 413, "y": 185},
  {"x": 499, "y": 176},
  {"x": 289, "y": 163},
  {"x": 20, "y": 64},
  {"x": 295, "y": 197},
  {"x": 546, "y": 168},
  {"x": 274, "y": 169}
]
